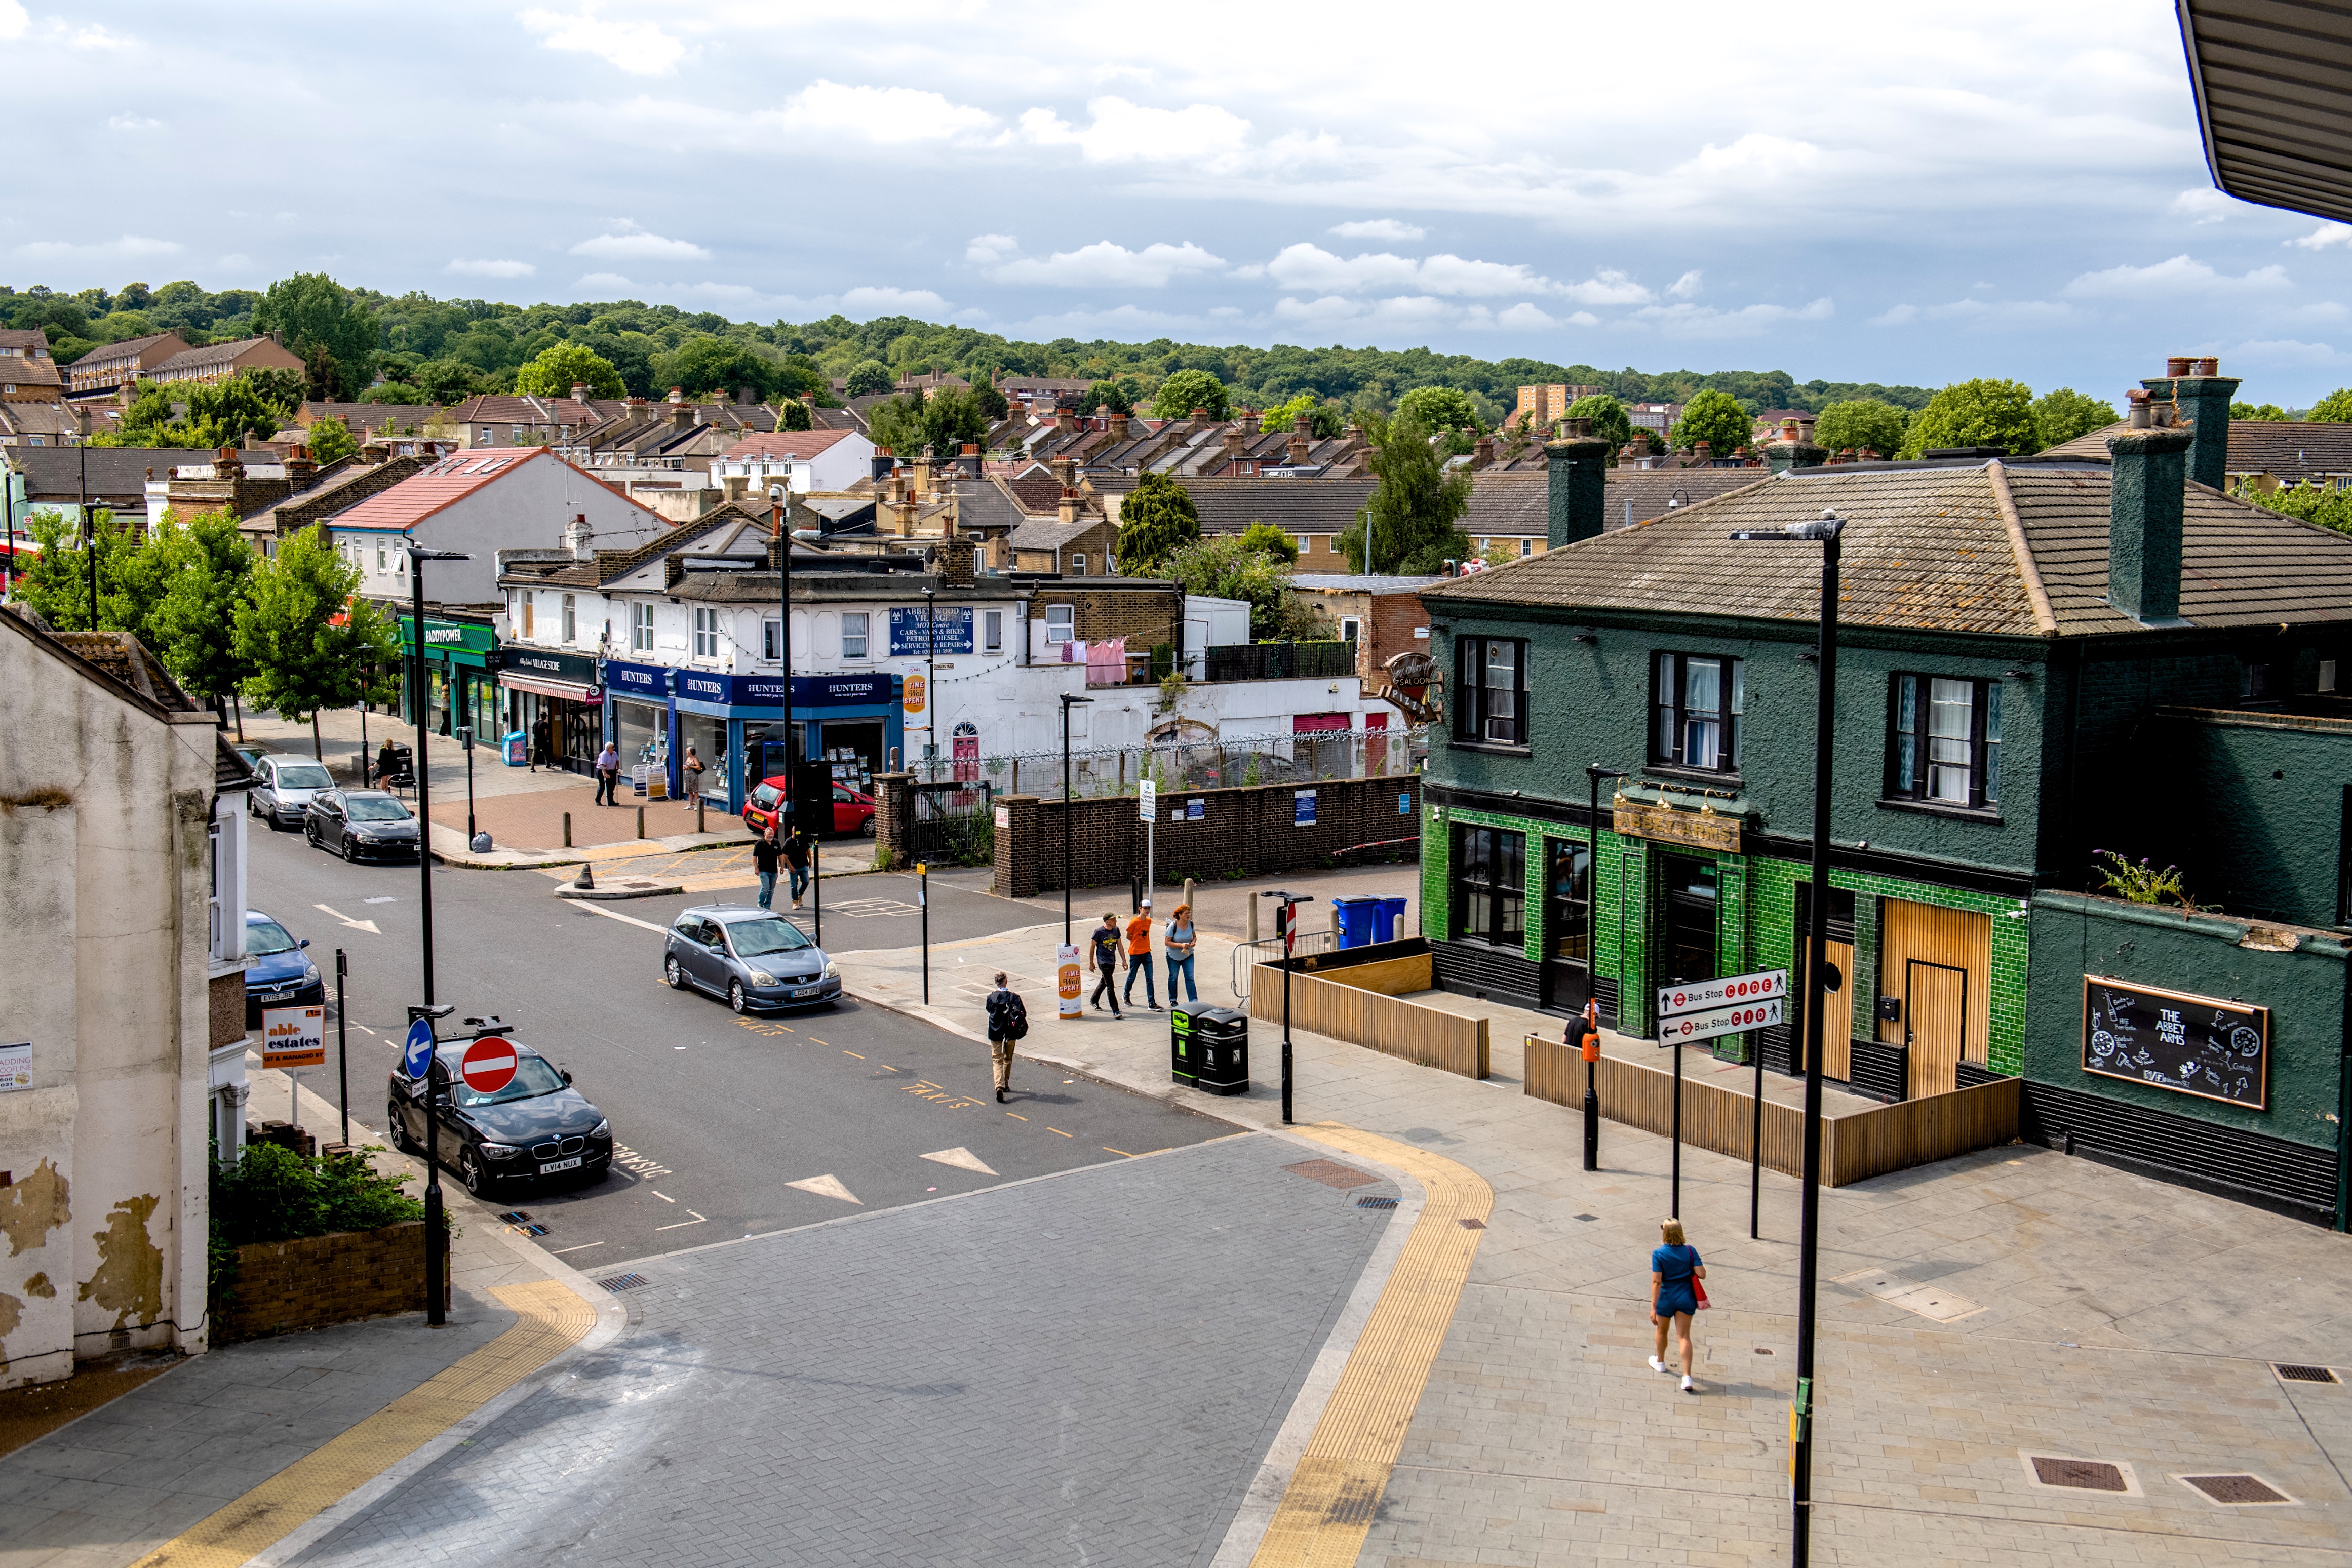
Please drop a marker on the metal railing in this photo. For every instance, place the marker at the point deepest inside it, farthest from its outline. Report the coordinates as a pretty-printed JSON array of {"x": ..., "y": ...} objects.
[
  {"x": 1248, "y": 956},
  {"x": 1278, "y": 661},
  {"x": 1210, "y": 762}
]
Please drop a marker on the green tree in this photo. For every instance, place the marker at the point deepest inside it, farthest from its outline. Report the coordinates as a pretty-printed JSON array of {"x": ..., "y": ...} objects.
[
  {"x": 706, "y": 365},
  {"x": 57, "y": 581},
  {"x": 1324, "y": 421},
  {"x": 1187, "y": 389},
  {"x": 1156, "y": 518},
  {"x": 941, "y": 423},
  {"x": 2312, "y": 504},
  {"x": 868, "y": 378},
  {"x": 2335, "y": 408},
  {"x": 2062, "y": 414},
  {"x": 1272, "y": 541},
  {"x": 994, "y": 403},
  {"x": 207, "y": 567},
  {"x": 285, "y": 631},
  {"x": 1412, "y": 512},
  {"x": 311, "y": 312},
  {"x": 2265, "y": 412},
  {"x": 1983, "y": 413},
  {"x": 1223, "y": 566},
  {"x": 398, "y": 394},
  {"x": 562, "y": 366},
  {"x": 1860, "y": 424},
  {"x": 791, "y": 414},
  {"x": 221, "y": 415},
  {"x": 331, "y": 440},
  {"x": 1108, "y": 396},
  {"x": 1442, "y": 411},
  {"x": 1716, "y": 419},
  {"x": 1609, "y": 420}
]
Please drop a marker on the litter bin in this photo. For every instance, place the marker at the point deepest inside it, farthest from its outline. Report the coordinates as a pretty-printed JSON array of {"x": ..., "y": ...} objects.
[
  {"x": 1183, "y": 1047},
  {"x": 1356, "y": 919},
  {"x": 1221, "y": 1043},
  {"x": 1385, "y": 922}
]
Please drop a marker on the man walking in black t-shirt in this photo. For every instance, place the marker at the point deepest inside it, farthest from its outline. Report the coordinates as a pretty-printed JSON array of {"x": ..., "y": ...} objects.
[{"x": 1105, "y": 940}]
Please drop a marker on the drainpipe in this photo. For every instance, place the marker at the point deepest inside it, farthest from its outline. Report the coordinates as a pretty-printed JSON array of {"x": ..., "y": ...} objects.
[{"x": 2344, "y": 1113}]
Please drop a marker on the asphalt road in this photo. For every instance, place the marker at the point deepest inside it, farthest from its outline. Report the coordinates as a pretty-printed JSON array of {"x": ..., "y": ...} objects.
[{"x": 717, "y": 1115}]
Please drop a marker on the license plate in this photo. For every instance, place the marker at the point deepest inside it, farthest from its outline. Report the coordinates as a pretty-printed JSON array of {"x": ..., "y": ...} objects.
[
  {"x": 554, "y": 1166},
  {"x": 808, "y": 990}
]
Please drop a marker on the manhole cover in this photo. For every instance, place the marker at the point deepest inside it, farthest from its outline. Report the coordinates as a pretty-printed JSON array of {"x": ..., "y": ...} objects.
[
  {"x": 2235, "y": 1492},
  {"x": 2078, "y": 1474},
  {"x": 1473, "y": 1224},
  {"x": 620, "y": 1282},
  {"x": 1376, "y": 1203},
  {"x": 1332, "y": 1174},
  {"x": 2291, "y": 1373}
]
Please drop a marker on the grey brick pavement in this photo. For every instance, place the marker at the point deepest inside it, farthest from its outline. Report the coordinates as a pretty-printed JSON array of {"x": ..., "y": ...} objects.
[{"x": 1083, "y": 1369}]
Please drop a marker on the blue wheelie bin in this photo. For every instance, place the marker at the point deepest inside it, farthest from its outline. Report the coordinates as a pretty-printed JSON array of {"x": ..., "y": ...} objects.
[
  {"x": 1356, "y": 917},
  {"x": 1385, "y": 922}
]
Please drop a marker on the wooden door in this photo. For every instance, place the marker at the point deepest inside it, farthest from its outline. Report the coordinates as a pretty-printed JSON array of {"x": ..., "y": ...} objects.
[
  {"x": 1837, "y": 1011},
  {"x": 1936, "y": 1011},
  {"x": 1952, "y": 1019}
]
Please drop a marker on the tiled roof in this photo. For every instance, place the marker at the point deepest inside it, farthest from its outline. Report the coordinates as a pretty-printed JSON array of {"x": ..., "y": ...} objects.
[
  {"x": 211, "y": 355},
  {"x": 124, "y": 657},
  {"x": 348, "y": 482},
  {"x": 2292, "y": 450},
  {"x": 55, "y": 474},
  {"x": 443, "y": 484},
  {"x": 1038, "y": 495},
  {"x": 1934, "y": 548},
  {"x": 984, "y": 503},
  {"x": 128, "y": 349},
  {"x": 1508, "y": 503},
  {"x": 231, "y": 772},
  {"x": 25, "y": 338},
  {"x": 26, "y": 371},
  {"x": 1299, "y": 506},
  {"x": 802, "y": 444},
  {"x": 1051, "y": 533}
]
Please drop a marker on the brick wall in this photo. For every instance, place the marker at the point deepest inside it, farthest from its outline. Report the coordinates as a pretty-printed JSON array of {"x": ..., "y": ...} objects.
[
  {"x": 1144, "y": 616},
  {"x": 1393, "y": 620},
  {"x": 224, "y": 1009},
  {"x": 284, "y": 1287},
  {"x": 894, "y": 816},
  {"x": 1250, "y": 830}
]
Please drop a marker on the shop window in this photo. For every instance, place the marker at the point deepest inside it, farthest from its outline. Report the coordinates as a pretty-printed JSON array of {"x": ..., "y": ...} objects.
[
  {"x": 992, "y": 631},
  {"x": 571, "y": 619},
  {"x": 854, "y": 626},
  {"x": 1490, "y": 891},
  {"x": 1061, "y": 623},
  {"x": 706, "y": 633},
  {"x": 1698, "y": 700},
  {"x": 641, "y": 628},
  {"x": 1944, "y": 742},
  {"x": 1491, "y": 677}
]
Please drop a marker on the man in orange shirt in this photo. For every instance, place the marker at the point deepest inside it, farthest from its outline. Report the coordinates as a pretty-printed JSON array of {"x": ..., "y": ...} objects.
[{"x": 1138, "y": 957}]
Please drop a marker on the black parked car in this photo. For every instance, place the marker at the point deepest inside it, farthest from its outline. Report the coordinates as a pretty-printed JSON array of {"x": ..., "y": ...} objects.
[
  {"x": 753, "y": 958},
  {"x": 537, "y": 1128},
  {"x": 360, "y": 825}
]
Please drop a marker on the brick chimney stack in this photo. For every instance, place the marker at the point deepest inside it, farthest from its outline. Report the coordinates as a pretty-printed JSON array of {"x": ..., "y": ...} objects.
[
  {"x": 2201, "y": 398},
  {"x": 580, "y": 390},
  {"x": 2145, "y": 509},
  {"x": 300, "y": 468},
  {"x": 1577, "y": 476}
]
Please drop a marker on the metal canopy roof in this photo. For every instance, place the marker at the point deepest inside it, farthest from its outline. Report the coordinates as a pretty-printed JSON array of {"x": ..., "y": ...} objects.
[{"x": 2274, "y": 85}]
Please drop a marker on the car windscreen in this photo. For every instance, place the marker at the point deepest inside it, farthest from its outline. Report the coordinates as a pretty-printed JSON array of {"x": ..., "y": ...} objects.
[
  {"x": 533, "y": 1077},
  {"x": 756, "y": 939},
  {"x": 378, "y": 810},
  {"x": 263, "y": 938},
  {"x": 303, "y": 775},
  {"x": 764, "y": 796}
]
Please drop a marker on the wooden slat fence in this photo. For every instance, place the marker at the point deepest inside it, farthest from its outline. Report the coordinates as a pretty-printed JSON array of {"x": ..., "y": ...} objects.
[
  {"x": 1390, "y": 1025},
  {"x": 1854, "y": 1147}
]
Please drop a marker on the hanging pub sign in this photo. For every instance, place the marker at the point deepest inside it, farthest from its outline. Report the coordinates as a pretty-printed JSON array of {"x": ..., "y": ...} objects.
[
  {"x": 2189, "y": 1044},
  {"x": 1699, "y": 830}
]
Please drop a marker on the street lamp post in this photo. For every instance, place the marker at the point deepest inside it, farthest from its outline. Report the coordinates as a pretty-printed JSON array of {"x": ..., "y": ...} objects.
[
  {"x": 1068, "y": 702},
  {"x": 1287, "y": 915},
  {"x": 1826, "y": 531},
  {"x": 784, "y": 812},
  {"x": 437, "y": 1228},
  {"x": 1593, "y": 773},
  {"x": 930, "y": 686}
]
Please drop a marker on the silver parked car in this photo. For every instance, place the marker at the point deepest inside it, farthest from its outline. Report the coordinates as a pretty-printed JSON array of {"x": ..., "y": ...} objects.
[
  {"x": 750, "y": 956},
  {"x": 282, "y": 791}
]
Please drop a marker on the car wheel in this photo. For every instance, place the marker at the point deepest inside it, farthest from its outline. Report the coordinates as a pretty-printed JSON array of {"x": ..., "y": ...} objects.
[
  {"x": 470, "y": 1171},
  {"x": 310, "y": 833},
  {"x": 398, "y": 1126},
  {"x": 866, "y": 827},
  {"x": 673, "y": 973},
  {"x": 735, "y": 997},
  {"x": 350, "y": 852}
]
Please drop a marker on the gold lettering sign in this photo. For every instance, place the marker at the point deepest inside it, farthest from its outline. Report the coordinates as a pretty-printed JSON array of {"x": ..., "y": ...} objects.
[{"x": 1701, "y": 830}]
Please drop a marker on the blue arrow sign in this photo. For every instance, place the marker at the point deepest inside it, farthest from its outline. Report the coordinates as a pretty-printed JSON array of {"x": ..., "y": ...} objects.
[{"x": 416, "y": 1053}]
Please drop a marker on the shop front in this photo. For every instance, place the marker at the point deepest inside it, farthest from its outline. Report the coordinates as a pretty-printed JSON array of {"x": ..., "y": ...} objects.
[
  {"x": 561, "y": 691},
  {"x": 460, "y": 683},
  {"x": 850, "y": 721},
  {"x": 640, "y": 717}
]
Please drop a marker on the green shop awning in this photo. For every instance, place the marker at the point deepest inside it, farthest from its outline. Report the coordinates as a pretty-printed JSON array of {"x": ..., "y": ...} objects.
[{"x": 449, "y": 642}]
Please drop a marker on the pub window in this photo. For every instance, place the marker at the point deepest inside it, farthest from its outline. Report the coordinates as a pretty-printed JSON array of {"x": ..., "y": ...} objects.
[
  {"x": 853, "y": 634},
  {"x": 571, "y": 619},
  {"x": 1698, "y": 701},
  {"x": 991, "y": 629},
  {"x": 1061, "y": 622},
  {"x": 641, "y": 628},
  {"x": 1568, "y": 887},
  {"x": 1945, "y": 739},
  {"x": 1490, "y": 885},
  {"x": 2327, "y": 675},
  {"x": 1492, "y": 676}
]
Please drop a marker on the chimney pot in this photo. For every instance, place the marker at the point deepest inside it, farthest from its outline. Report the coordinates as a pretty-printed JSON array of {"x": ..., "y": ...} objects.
[
  {"x": 678, "y": 395},
  {"x": 580, "y": 390},
  {"x": 1200, "y": 414},
  {"x": 2178, "y": 364},
  {"x": 2206, "y": 367}
]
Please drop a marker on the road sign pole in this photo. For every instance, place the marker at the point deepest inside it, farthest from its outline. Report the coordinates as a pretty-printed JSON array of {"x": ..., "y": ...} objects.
[
  {"x": 1674, "y": 1199},
  {"x": 343, "y": 1044},
  {"x": 923, "y": 899}
]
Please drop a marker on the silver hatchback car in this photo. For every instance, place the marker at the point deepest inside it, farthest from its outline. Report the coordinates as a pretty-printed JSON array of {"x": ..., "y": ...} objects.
[
  {"x": 282, "y": 789},
  {"x": 755, "y": 958}
]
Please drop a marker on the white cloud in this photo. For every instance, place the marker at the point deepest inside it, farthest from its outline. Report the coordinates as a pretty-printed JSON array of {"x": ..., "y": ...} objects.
[
  {"x": 133, "y": 123},
  {"x": 92, "y": 36},
  {"x": 2179, "y": 275},
  {"x": 640, "y": 48},
  {"x": 1104, "y": 265},
  {"x": 887, "y": 116},
  {"x": 1308, "y": 266},
  {"x": 2284, "y": 352},
  {"x": 126, "y": 247},
  {"x": 603, "y": 280},
  {"x": 627, "y": 242},
  {"x": 1607, "y": 287},
  {"x": 1706, "y": 322},
  {"x": 2326, "y": 235},
  {"x": 1686, "y": 286},
  {"x": 1526, "y": 317},
  {"x": 491, "y": 268},
  {"x": 1387, "y": 228},
  {"x": 986, "y": 249},
  {"x": 1453, "y": 275},
  {"x": 2203, "y": 205},
  {"x": 13, "y": 19},
  {"x": 866, "y": 303},
  {"x": 1201, "y": 133},
  {"x": 1988, "y": 315}
]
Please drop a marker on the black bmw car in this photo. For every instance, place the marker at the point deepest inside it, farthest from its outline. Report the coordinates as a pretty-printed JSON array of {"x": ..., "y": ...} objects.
[{"x": 537, "y": 1128}]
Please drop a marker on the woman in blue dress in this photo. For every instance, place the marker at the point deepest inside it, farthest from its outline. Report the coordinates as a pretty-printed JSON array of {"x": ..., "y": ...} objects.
[{"x": 1674, "y": 1270}]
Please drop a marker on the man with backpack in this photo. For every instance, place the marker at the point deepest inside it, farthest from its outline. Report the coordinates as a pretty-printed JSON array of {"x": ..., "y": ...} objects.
[{"x": 1008, "y": 1021}]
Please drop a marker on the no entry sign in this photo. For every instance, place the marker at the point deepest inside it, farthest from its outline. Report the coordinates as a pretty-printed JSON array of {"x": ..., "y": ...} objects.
[{"x": 488, "y": 1065}]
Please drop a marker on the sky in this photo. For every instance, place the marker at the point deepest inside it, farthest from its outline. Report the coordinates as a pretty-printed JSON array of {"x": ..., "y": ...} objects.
[{"x": 1908, "y": 195}]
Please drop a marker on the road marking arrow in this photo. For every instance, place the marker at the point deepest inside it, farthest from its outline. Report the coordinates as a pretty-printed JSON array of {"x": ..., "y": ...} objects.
[
  {"x": 962, "y": 1160},
  {"x": 368, "y": 926},
  {"x": 824, "y": 1187}
]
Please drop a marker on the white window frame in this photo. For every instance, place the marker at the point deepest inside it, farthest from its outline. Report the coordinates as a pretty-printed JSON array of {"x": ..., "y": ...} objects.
[
  {"x": 1065, "y": 618},
  {"x": 571, "y": 619},
  {"x": 992, "y": 631},
  {"x": 641, "y": 627},
  {"x": 706, "y": 632},
  {"x": 1351, "y": 627},
  {"x": 855, "y": 642},
  {"x": 770, "y": 638},
  {"x": 1079, "y": 564}
]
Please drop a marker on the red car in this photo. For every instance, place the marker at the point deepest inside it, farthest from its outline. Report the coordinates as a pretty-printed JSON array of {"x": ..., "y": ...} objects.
[{"x": 853, "y": 809}]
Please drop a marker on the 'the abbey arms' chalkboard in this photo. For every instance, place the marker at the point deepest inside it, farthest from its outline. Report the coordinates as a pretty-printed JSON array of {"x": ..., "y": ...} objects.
[{"x": 2191, "y": 1045}]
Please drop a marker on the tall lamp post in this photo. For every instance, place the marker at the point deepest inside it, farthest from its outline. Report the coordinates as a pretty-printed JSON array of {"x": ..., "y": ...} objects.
[
  {"x": 1593, "y": 773},
  {"x": 1286, "y": 913},
  {"x": 1801, "y": 1464},
  {"x": 1068, "y": 702},
  {"x": 437, "y": 1229},
  {"x": 784, "y": 812},
  {"x": 930, "y": 686}
]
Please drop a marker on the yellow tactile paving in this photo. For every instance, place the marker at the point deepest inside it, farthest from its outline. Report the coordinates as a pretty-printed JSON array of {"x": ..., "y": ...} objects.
[
  {"x": 549, "y": 1318},
  {"x": 1328, "y": 1509}
]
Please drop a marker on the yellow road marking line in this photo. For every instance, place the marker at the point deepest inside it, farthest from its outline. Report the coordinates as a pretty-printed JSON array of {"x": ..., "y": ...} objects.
[
  {"x": 846, "y": 1053},
  {"x": 1121, "y": 1152},
  {"x": 1327, "y": 1511},
  {"x": 1017, "y": 1116},
  {"x": 548, "y": 1319},
  {"x": 814, "y": 1041},
  {"x": 1058, "y": 1129}
]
